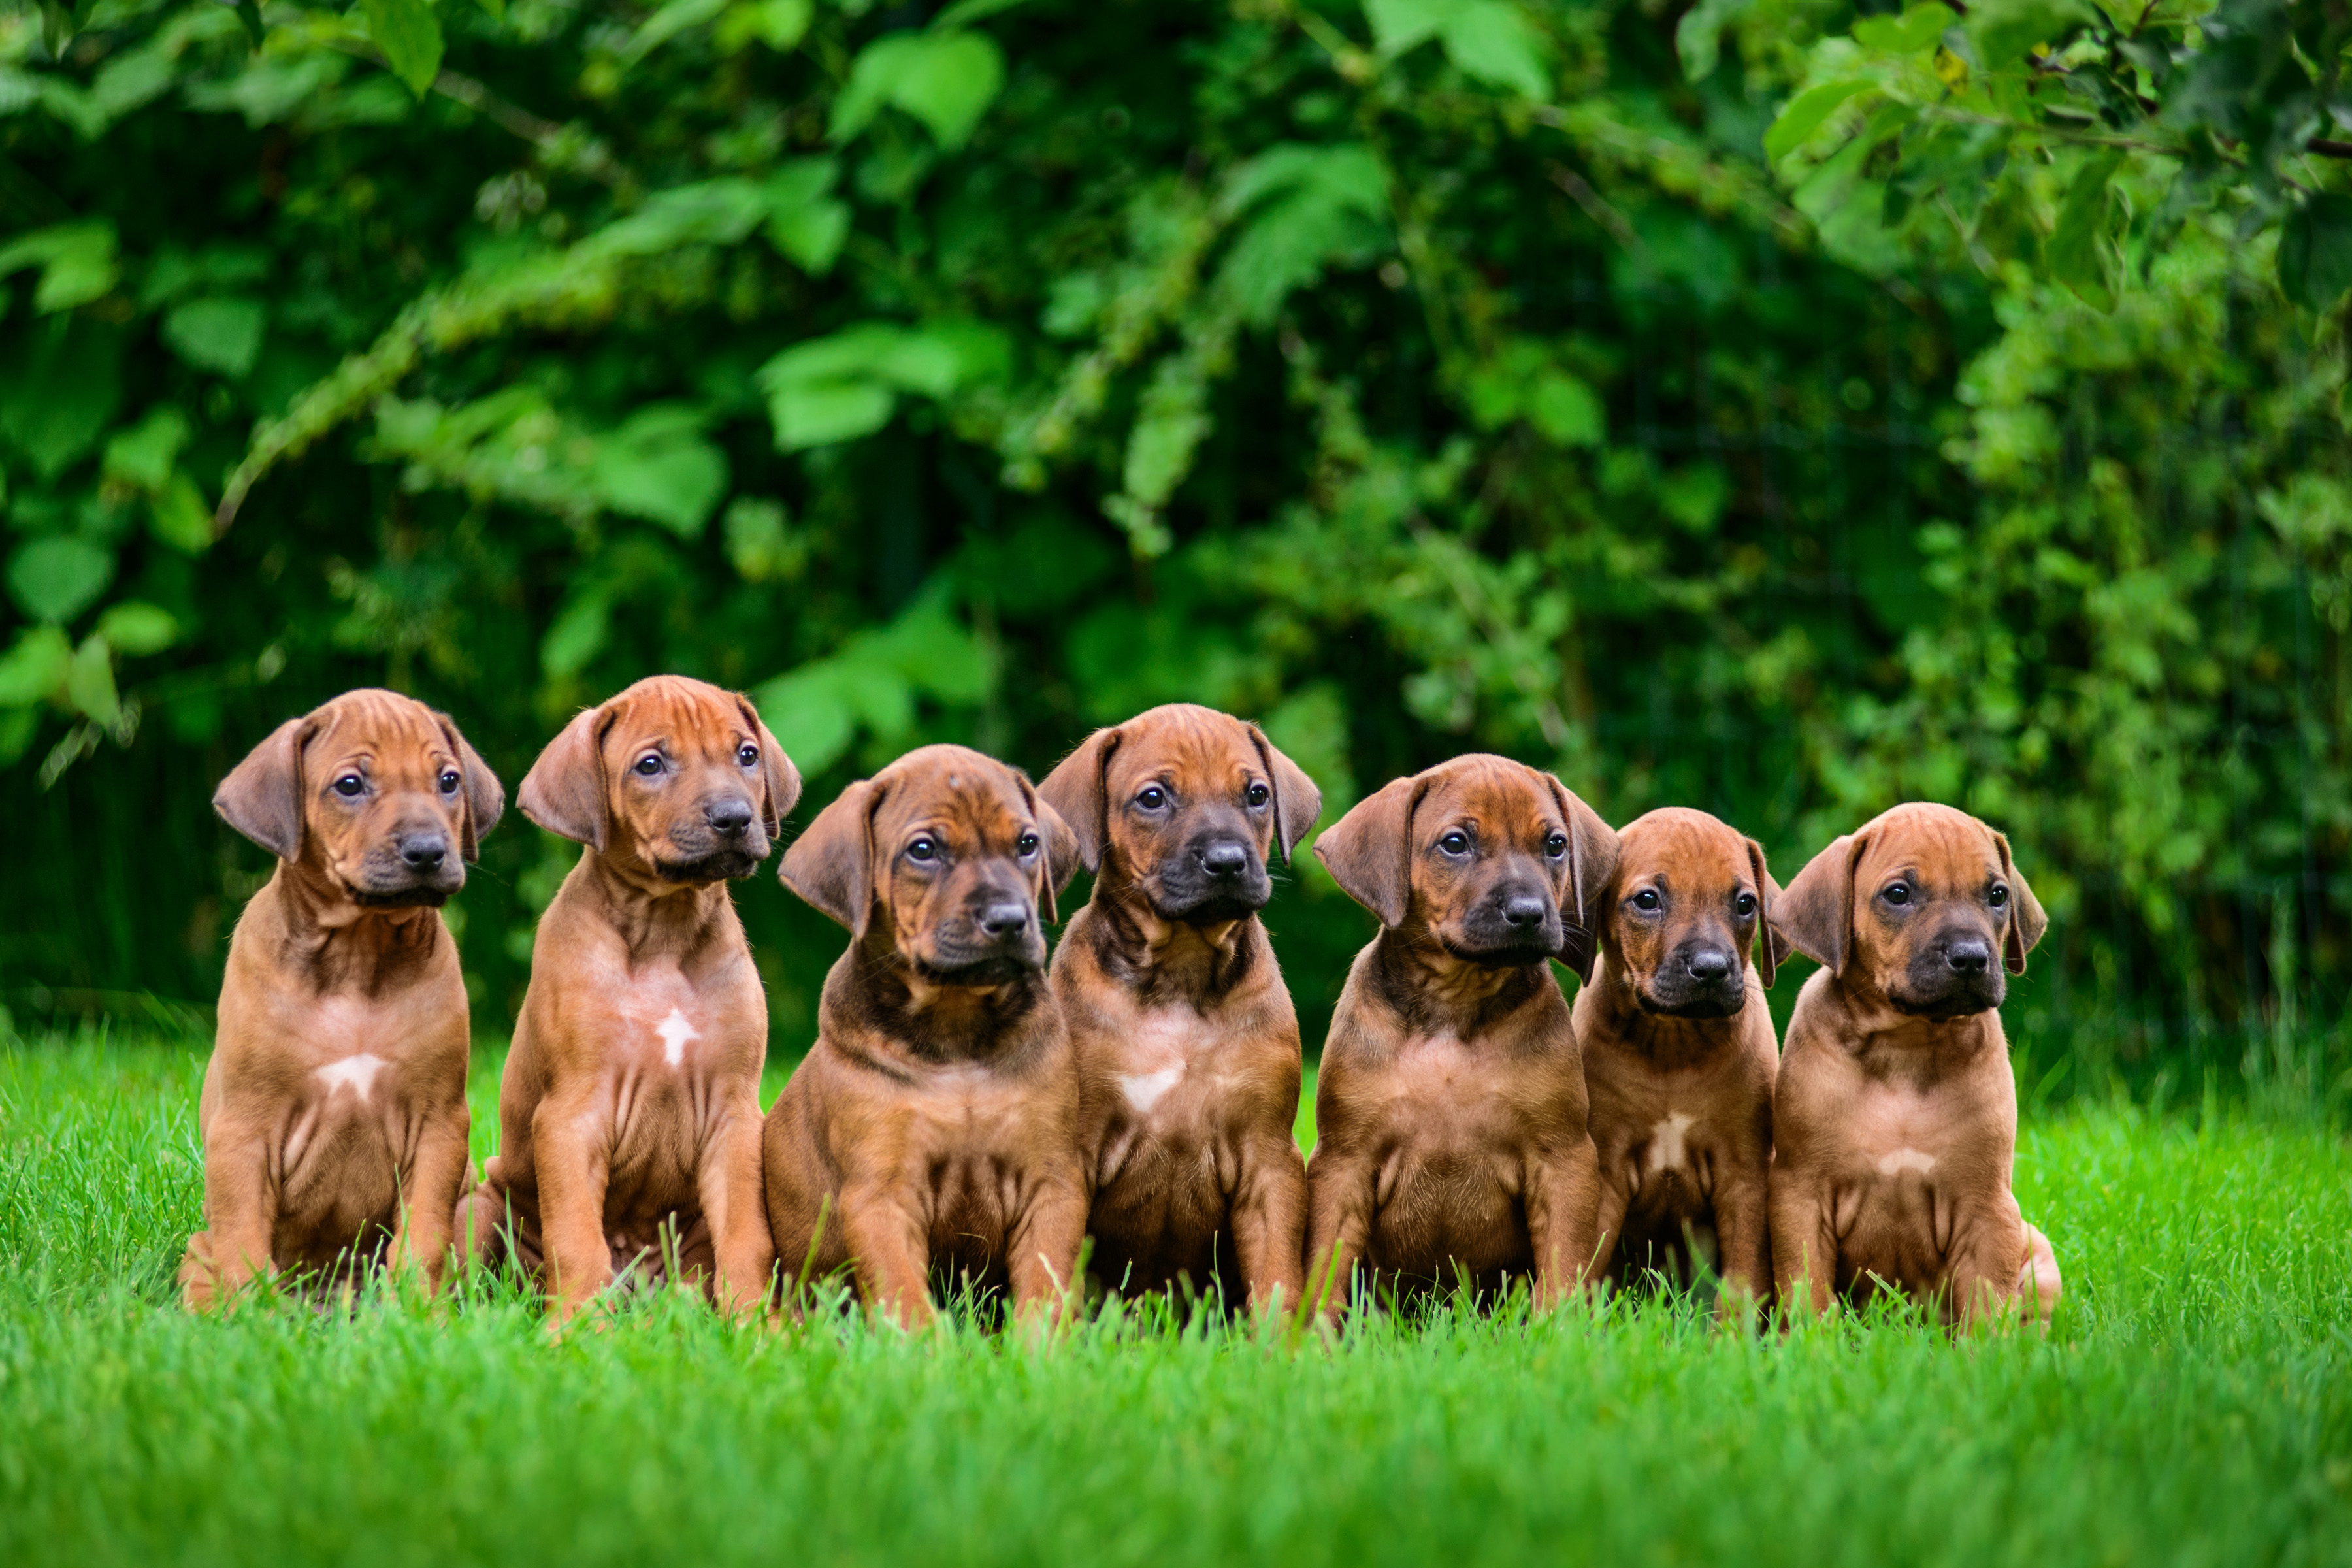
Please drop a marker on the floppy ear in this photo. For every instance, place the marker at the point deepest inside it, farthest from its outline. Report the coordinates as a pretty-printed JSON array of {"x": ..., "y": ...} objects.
[
  {"x": 1296, "y": 802},
  {"x": 1770, "y": 947},
  {"x": 831, "y": 866},
  {"x": 1061, "y": 850},
  {"x": 1591, "y": 867},
  {"x": 485, "y": 798},
  {"x": 564, "y": 791},
  {"x": 2026, "y": 921},
  {"x": 1815, "y": 914},
  {"x": 780, "y": 782},
  {"x": 1075, "y": 791},
  {"x": 1368, "y": 852},
  {"x": 262, "y": 796}
]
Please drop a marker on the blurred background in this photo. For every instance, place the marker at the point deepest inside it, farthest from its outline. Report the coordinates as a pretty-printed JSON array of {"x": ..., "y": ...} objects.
[{"x": 1783, "y": 408}]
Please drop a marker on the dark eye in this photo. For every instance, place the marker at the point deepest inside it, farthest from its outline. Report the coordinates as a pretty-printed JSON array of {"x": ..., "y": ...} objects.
[
  {"x": 349, "y": 785},
  {"x": 923, "y": 849},
  {"x": 450, "y": 781},
  {"x": 1152, "y": 797},
  {"x": 1647, "y": 898},
  {"x": 1744, "y": 905},
  {"x": 649, "y": 764},
  {"x": 1998, "y": 897},
  {"x": 748, "y": 755},
  {"x": 1027, "y": 845},
  {"x": 1257, "y": 795},
  {"x": 1556, "y": 844},
  {"x": 1897, "y": 893},
  {"x": 1455, "y": 843}
]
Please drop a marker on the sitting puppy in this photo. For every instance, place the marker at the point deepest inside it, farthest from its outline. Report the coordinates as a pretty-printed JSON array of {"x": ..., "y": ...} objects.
[
  {"x": 1679, "y": 1055},
  {"x": 1451, "y": 1109},
  {"x": 934, "y": 1124},
  {"x": 1895, "y": 1116},
  {"x": 630, "y": 1110},
  {"x": 334, "y": 1112},
  {"x": 1186, "y": 1046}
]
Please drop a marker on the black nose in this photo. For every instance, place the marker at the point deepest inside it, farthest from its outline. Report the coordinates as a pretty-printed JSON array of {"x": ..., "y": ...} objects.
[
  {"x": 1004, "y": 917},
  {"x": 728, "y": 818},
  {"x": 1708, "y": 965},
  {"x": 1969, "y": 955},
  {"x": 424, "y": 851},
  {"x": 1225, "y": 858},
  {"x": 1525, "y": 911}
]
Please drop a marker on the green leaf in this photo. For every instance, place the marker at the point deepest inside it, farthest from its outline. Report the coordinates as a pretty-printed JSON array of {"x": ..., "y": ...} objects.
[
  {"x": 76, "y": 261},
  {"x": 35, "y": 667},
  {"x": 760, "y": 542},
  {"x": 677, "y": 16},
  {"x": 178, "y": 516},
  {"x": 947, "y": 80},
  {"x": 1566, "y": 410},
  {"x": 2078, "y": 253},
  {"x": 134, "y": 626},
  {"x": 222, "y": 335},
  {"x": 1807, "y": 113},
  {"x": 576, "y": 636},
  {"x": 1490, "y": 39},
  {"x": 1920, "y": 27},
  {"x": 409, "y": 35},
  {"x": 658, "y": 468},
  {"x": 819, "y": 413},
  {"x": 2004, "y": 33},
  {"x": 2314, "y": 252},
  {"x": 57, "y": 578},
  {"x": 804, "y": 223},
  {"x": 708, "y": 212},
  {"x": 1401, "y": 25},
  {"x": 89, "y": 680},
  {"x": 811, "y": 715},
  {"x": 59, "y": 385},
  {"x": 1698, "y": 37},
  {"x": 964, "y": 12},
  {"x": 143, "y": 455}
]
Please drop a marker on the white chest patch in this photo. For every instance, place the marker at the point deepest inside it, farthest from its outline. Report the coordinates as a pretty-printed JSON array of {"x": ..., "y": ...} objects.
[
  {"x": 354, "y": 1073},
  {"x": 1904, "y": 1160},
  {"x": 1144, "y": 1090},
  {"x": 1668, "y": 1149},
  {"x": 675, "y": 1031}
]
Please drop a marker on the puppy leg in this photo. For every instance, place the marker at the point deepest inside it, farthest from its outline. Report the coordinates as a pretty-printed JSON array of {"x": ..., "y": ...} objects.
[
  {"x": 734, "y": 1208},
  {"x": 1990, "y": 1250},
  {"x": 428, "y": 1198},
  {"x": 1804, "y": 1248},
  {"x": 2038, "y": 1284},
  {"x": 1269, "y": 1221},
  {"x": 1743, "y": 1235},
  {"x": 890, "y": 1255},
  {"x": 1609, "y": 1225},
  {"x": 1563, "y": 1199},
  {"x": 1340, "y": 1197},
  {"x": 1041, "y": 1252},
  {"x": 240, "y": 1216},
  {"x": 573, "y": 1171}
]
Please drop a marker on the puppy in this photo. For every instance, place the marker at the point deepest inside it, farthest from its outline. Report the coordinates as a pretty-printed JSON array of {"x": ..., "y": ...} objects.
[
  {"x": 629, "y": 1112},
  {"x": 334, "y": 1112},
  {"x": 1679, "y": 1055},
  {"x": 934, "y": 1124},
  {"x": 1451, "y": 1109},
  {"x": 1186, "y": 1042},
  {"x": 1894, "y": 1116}
]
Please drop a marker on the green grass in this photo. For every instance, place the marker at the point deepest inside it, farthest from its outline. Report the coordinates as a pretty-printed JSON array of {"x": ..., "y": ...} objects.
[{"x": 2193, "y": 1405}]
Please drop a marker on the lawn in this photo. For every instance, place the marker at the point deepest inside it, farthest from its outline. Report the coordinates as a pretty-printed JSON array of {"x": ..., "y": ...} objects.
[{"x": 2194, "y": 1404}]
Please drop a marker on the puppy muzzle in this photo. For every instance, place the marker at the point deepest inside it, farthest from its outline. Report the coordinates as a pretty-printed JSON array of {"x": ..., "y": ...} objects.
[
  {"x": 724, "y": 842},
  {"x": 994, "y": 942},
  {"x": 1212, "y": 880},
  {"x": 414, "y": 868},
  {"x": 1697, "y": 981},
  {"x": 1512, "y": 926},
  {"x": 1952, "y": 975}
]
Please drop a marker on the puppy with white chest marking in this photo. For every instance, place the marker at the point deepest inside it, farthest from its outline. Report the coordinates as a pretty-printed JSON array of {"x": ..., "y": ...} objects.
[
  {"x": 1894, "y": 1116},
  {"x": 932, "y": 1130},
  {"x": 1679, "y": 1057},
  {"x": 1186, "y": 1042},
  {"x": 333, "y": 1113},
  {"x": 1451, "y": 1106},
  {"x": 630, "y": 1108}
]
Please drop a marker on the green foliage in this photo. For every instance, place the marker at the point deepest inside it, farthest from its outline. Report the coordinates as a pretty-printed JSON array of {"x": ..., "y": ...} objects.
[{"x": 1703, "y": 405}]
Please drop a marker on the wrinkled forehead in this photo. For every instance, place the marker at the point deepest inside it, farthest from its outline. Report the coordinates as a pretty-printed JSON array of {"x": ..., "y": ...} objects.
[
  {"x": 970, "y": 801},
  {"x": 385, "y": 727},
  {"x": 683, "y": 715},
  {"x": 1495, "y": 794},
  {"x": 1688, "y": 849},
  {"x": 1183, "y": 744},
  {"x": 1936, "y": 845}
]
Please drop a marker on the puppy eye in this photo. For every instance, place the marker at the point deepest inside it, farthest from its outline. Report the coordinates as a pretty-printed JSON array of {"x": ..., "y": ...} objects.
[
  {"x": 923, "y": 849},
  {"x": 649, "y": 764},
  {"x": 1151, "y": 797},
  {"x": 749, "y": 756},
  {"x": 1646, "y": 900},
  {"x": 1897, "y": 893},
  {"x": 1257, "y": 795},
  {"x": 1744, "y": 905},
  {"x": 1998, "y": 897},
  {"x": 1556, "y": 844},
  {"x": 1027, "y": 845},
  {"x": 450, "y": 781},
  {"x": 1455, "y": 843},
  {"x": 349, "y": 785}
]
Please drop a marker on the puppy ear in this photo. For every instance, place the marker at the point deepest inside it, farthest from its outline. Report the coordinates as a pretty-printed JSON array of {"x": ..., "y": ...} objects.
[
  {"x": 1815, "y": 914},
  {"x": 1062, "y": 859},
  {"x": 1075, "y": 793},
  {"x": 780, "y": 782},
  {"x": 831, "y": 866},
  {"x": 262, "y": 796},
  {"x": 1296, "y": 802},
  {"x": 1368, "y": 852},
  {"x": 1770, "y": 949},
  {"x": 1591, "y": 868},
  {"x": 564, "y": 791},
  {"x": 485, "y": 798},
  {"x": 2026, "y": 921}
]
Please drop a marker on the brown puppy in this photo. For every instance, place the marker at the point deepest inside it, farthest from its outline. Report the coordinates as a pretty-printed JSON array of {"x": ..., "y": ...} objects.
[
  {"x": 1894, "y": 1116},
  {"x": 1187, "y": 1045},
  {"x": 934, "y": 1125},
  {"x": 1679, "y": 1055},
  {"x": 1451, "y": 1109},
  {"x": 629, "y": 1113},
  {"x": 334, "y": 1112}
]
